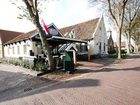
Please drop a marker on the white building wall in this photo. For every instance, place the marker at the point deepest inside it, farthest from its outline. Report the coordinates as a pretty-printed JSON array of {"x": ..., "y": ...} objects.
[
  {"x": 133, "y": 43},
  {"x": 1, "y": 48},
  {"x": 99, "y": 36},
  {"x": 34, "y": 48},
  {"x": 21, "y": 44},
  {"x": 91, "y": 47}
]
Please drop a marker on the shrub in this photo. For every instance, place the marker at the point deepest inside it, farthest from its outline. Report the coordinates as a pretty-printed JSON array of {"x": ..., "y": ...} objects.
[
  {"x": 112, "y": 52},
  {"x": 123, "y": 52},
  {"x": 40, "y": 64},
  {"x": 112, "y": 55},
  {"x": 4, "y": 60},
  {"x": 37, "y": 64},
  {"x": 20, "y": 62}
]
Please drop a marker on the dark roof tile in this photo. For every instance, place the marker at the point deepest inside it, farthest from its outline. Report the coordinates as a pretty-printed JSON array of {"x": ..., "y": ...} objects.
[
  {"x": 22, "y": 37},
  {"x": 7, "y": 35},
  {"x": 83, "y": 30}
]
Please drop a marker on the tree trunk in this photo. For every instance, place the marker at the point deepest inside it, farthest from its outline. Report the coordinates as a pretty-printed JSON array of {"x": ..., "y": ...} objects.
[
  {"x": 128, "y": 44},
  {"x": 33, "y": 11},
  {"x": 136, "y": 48},
  {"x": 45, "y": 45},
  {"x": 119, "y": 44}
]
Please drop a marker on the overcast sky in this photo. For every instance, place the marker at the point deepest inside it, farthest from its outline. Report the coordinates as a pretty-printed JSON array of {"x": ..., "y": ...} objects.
[{"x": 61, "y": 12}]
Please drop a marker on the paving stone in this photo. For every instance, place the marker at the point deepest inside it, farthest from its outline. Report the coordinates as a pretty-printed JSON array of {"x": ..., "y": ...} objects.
[{"x": 117, "y": 84}]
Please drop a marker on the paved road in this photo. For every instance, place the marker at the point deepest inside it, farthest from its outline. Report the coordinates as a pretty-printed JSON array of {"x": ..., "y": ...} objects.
[{"x": 114, "y": 84}]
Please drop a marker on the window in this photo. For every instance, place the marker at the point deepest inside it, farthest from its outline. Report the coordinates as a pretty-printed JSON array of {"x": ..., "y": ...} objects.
[
  {"x": 18, "y": 50},
  {"x": 104, "y": 46},
  {"x": 25, "y": 49},
  {"x": 100, "y": 47},
  {"x": 83, "y": 47}
]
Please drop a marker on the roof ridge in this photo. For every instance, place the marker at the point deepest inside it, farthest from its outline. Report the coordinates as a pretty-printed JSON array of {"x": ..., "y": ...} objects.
[
  {"x": 83, "y": 30},
  {"x": 81, "y": 23}
]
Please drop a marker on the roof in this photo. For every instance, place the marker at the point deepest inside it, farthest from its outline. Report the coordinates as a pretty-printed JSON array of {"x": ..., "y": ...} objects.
[
  {"x": 83, "y": 30},
  {"x": 30, "y": 34},
  {"x": 64, "y": 40},
  {"x": 110, "y": 39},
  {"x": 22, "y": 37},
  {"x": 67, "y": 47},
  {"x": 7, "y": 35}
]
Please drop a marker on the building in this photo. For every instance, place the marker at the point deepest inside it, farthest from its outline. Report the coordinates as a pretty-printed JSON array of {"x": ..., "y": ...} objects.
[
  {"x": 111, "y": 47},
  {"x": 5, "y": 36},
  {"x": 28, "y": 45},
  {"x": 89, "y": 37},
  {"x": 94, "y": 32},
  {"x": 21, "y": 46}
]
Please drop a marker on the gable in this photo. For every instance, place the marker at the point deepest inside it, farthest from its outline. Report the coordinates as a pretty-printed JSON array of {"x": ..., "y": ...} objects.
[
  {"x": 83, "y": 30},
  {"x": 71, "y": 47},
  {"x": 100, "y": 33},
  {"x": 67, "y": 47},
  {"x": 54, "y": 30},
  {"x": 110, "y": 40},
  {"x": 34, "y": 34}
]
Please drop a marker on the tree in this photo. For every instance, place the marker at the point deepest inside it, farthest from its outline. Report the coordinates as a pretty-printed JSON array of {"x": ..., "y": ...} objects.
[
  {"x": 30, "y": 10},
  {"x": 136, "y": 31},
  {"x": 132, "y": 9},
  {"x": 136, "y": 37},
  {"x": 116, "y": 9}
]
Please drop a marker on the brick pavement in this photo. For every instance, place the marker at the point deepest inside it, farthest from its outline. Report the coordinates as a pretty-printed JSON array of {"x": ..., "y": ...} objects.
[{"x": 115, "y": 84}]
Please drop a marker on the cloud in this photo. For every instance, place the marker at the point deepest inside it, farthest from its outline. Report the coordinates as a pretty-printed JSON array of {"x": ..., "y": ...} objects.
[
  {"x": 9, "y": 19},
  {"x": 67, "y": 12},
  {"x": 60, "y": 12}
]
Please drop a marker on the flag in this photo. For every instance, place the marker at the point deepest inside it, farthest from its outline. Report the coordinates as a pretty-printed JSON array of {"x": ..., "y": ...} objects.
[{"x": 45, "y": 27}]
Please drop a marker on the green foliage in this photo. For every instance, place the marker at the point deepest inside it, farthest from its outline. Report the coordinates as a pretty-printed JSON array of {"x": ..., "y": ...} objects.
[
  {"x": 114, "y": 55},
  {"x": 40, "y": 67},
  {"x": 40, "y": 64},
  {"x": 123, "y": 52},
  {"x": 29, "y": 64},
  {"x": 112, "y": 51}
]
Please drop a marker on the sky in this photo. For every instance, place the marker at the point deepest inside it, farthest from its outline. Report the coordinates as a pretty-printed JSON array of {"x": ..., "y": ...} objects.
[{"x": 60, "y": 12}]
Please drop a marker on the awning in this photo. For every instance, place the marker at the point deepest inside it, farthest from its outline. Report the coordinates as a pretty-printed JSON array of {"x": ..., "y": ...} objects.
[{"x": 64, "y": 40}]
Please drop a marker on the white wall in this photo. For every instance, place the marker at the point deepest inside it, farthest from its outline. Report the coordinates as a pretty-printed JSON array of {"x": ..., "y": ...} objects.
[
  {"x": 91, "y": 47},
  {"x": 99, "y": 36},
  {"x": 21, "y": 44},
  {"x": 1, "y": 48}
]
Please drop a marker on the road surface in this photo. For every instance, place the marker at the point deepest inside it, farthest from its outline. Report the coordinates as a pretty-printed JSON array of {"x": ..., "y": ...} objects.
[{"x": 117, "y": 83}]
